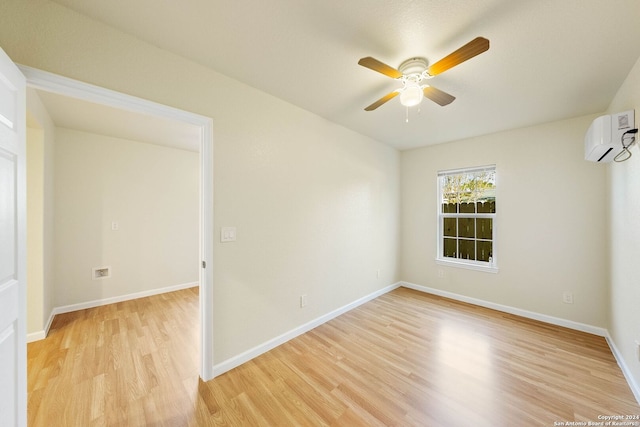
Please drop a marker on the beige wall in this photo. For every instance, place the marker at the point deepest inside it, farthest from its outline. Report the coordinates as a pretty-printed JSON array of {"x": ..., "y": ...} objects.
[
  {"x": 315, "y": 205},
  {"x": 151, "y": 191},
  {"x": 624, "y": 206},
  {"x": 551, "y": 221},
  {"x": 35, "y": 229},
  {"x": 40, "y": 211}
]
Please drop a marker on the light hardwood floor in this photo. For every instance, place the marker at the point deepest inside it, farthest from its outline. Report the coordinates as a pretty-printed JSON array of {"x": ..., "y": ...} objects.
[{"x": 405, "y": 359}]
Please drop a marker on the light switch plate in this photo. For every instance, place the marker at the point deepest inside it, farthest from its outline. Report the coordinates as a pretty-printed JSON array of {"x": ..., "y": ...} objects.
[{"x": 228, "y": 234}]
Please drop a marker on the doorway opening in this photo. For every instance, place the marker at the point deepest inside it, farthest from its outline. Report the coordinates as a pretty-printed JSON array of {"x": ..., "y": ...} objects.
[{"x": 47, "y": 82}]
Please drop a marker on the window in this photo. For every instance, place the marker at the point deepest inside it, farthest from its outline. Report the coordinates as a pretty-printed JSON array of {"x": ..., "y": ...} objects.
[{"x": 467, "y": 218}]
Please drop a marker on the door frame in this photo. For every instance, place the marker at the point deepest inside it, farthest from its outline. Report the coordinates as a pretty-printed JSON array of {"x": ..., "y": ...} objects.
[{"x": 38, "y": 79}]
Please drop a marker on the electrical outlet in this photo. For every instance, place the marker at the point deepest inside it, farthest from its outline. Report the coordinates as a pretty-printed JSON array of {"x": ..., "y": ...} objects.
[
  {"x": 227, "y": 234},
  {"x": 567, "y": 297},
  {"x": 638, "y": 350},
  {"x": 378, "y": 273},
  {"x": 440, "y": 273},
  {"x": 303, "y": 301}
]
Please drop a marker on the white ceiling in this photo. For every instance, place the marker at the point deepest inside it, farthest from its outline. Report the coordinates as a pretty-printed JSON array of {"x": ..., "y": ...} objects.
[
  {"x": 548, "y": 60},
  {"x": 86, "y": 116}
]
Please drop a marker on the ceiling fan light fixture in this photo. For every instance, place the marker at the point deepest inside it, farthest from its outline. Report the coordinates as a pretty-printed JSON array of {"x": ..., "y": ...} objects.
[
  {"x": 414, "y": 70},
  {"x": 411, "y": 95}
]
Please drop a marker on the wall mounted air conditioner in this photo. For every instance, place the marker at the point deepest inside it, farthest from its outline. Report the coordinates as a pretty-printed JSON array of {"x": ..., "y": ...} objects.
[{"x": 603, "y": 139}]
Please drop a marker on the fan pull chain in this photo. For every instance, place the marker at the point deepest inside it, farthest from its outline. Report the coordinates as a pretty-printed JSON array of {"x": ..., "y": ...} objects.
[{"x": 406, "y": 120}]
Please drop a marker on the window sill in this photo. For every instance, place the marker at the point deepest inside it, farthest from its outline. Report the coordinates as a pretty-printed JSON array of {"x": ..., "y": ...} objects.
[{"x": 486, "y": 267}]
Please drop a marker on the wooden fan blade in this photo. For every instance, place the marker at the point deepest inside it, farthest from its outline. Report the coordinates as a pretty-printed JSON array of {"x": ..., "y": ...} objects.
[
  {"x": 436, "y": 95},
  {"x": 382, "y": 100},
  {"x": 375, "y": 65},
  {"x": 468, "y": 51}
]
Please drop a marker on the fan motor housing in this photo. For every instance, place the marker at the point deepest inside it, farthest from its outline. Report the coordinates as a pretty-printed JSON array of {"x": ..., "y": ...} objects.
[{"x": 413, "y": 66}]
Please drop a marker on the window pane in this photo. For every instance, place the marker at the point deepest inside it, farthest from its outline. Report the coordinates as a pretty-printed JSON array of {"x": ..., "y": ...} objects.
[
  {"x": 450, "y": 228},
  {"x": 485, "y": 250},
  {"x": 467, "y": 207},
  {"x": 468, "y": 188},
  {"x": 467, "y": 249},
  {"x": 484, "y": 228},
  {"x": 450, "y": 208},
  {"x": 466, "y": 227},
  {"x": 487, "y": 207},
  {"x": 450, "y": 248}
]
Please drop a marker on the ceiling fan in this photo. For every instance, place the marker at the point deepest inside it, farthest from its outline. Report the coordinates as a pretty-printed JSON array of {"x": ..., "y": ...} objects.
[{"x": 414, "y": 71}]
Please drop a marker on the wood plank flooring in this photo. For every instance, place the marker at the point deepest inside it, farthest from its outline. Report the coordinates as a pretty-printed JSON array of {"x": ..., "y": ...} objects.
[{"x": 403, "y": 359}]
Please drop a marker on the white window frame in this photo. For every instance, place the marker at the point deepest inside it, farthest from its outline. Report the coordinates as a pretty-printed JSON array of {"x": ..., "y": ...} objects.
[{"x": 492, "y": 266}]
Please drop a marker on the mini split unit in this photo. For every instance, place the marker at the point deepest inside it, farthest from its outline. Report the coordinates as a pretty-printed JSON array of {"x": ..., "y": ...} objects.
[{"x": 603, "y": 141}]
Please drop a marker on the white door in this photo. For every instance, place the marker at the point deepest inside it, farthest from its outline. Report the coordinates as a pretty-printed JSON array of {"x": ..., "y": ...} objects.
[{"x": 13, "y": 337}]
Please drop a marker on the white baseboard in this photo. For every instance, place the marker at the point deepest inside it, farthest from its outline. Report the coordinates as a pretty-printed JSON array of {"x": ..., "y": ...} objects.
[
  {"x": 602, "y": 332},
  {"x": 35, "y": 336},
  {"x": 633, "y": 385},
  {"x": 256, "y": 351},
  {"x": 40, "y": 335}
]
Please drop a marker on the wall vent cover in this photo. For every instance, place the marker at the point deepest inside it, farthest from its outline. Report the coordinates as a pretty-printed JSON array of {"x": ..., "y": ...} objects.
[{"x": 101, "y": 273}]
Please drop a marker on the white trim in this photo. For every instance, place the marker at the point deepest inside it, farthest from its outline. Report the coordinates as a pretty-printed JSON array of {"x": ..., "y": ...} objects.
[
  {"x": 469, "y": 265},
  {"x": 120, "y": 298},
  {"x": 511, "y": 310},
  {"x": 40, "y": 335},
  {"x": 49, "y": 82},
  {"x": 467, "y": 170},
  {"x": 633, "y": 385},
  {"x": 36, "y": 336},
  {"x": 206, "y": 253},
  {"x": 256, "y": 351}
]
